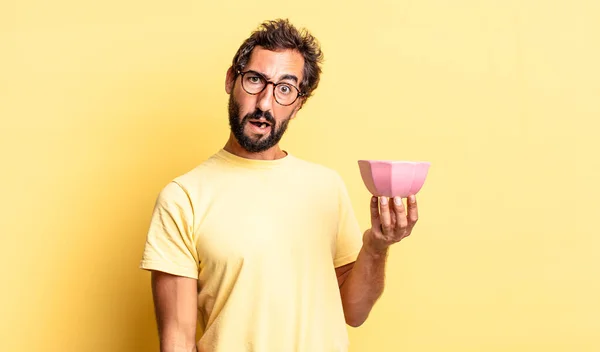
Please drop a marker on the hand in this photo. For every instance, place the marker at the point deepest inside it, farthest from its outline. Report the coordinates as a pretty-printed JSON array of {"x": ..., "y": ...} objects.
[{"x": 390, "y": 223}]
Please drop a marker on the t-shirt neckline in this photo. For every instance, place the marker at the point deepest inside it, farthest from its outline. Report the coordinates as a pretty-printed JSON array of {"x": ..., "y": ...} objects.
[{"x": 253, "y": 163}]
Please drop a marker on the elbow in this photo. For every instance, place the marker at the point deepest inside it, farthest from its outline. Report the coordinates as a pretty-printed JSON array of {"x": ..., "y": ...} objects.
[
  {"x": 354, "y": 320},
  {"x": 356, "y": 313},
  {"x": 354, "y": 323}
]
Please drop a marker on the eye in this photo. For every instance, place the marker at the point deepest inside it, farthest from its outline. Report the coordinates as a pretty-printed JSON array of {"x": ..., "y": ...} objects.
[
  {"x": 284, "y": 89},
  {"x": 253, "y": 79}
]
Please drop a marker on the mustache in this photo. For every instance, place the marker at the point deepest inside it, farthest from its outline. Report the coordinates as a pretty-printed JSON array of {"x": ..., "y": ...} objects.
[{"x": 257, "y": 114}]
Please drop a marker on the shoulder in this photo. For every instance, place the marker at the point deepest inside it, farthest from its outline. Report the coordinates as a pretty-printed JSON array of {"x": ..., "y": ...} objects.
[
  {"x": 199, "y": 175},
  {"x": 183, "y": 187}
]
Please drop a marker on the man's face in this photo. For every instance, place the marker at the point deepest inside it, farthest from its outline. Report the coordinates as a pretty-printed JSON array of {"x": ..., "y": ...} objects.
[{"x": 257, "y": 121}]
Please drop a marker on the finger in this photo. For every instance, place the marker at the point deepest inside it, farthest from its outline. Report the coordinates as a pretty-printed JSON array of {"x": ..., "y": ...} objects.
[
  {"x": 400, "y": 214},
  {"x": 413, "y": 211},
  {"x": 375, "y": 220},
  {"x": 385, "y": 216}
]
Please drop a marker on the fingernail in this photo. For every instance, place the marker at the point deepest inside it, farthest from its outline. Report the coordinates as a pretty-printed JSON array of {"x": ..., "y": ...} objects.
[
  {"x": 398, "y": 200},
  {"x": 384, "y": 200},
  {"x": 412, "y": 198}
]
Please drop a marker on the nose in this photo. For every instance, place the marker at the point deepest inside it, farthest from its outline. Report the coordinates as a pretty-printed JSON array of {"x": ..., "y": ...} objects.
[{"x": 265, "y": 98}]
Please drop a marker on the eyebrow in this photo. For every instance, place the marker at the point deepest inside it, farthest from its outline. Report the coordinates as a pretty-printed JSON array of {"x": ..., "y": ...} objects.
[{"x": 287, "y": 76}]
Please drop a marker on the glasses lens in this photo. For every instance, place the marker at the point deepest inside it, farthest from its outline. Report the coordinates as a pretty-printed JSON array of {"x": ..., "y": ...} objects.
[
  {"x": 285, "y": 93},
  {"x": 253, "y": 83}
]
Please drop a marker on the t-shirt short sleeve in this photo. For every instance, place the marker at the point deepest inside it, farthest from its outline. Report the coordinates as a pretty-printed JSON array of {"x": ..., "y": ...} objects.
[
  {"x": 349, "y": 236},
  {"x": 170, "y": 245}
]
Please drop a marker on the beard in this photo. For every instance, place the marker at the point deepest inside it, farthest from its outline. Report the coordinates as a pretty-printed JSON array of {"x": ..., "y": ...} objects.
[{"x": 250, "y": 143}]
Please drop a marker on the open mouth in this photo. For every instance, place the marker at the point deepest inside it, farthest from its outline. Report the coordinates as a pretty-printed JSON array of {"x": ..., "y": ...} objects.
[{"x": 260, "y": 124}]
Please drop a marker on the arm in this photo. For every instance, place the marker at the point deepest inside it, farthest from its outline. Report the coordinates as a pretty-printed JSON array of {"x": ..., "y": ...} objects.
[
  {"x": 362, "y": 282},
  {"x": 175, "y": 304}
]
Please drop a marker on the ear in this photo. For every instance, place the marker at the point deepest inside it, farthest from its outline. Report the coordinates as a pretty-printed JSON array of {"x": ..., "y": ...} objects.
[
  {"x": 229, "y": 80},
  {"x": 297, "y": 108},
  {"x": 300, "y": 104}
]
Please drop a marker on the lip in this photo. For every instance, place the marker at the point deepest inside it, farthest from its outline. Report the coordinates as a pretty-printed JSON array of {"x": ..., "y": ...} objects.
[
  {"x": 259, "y": 129},
  {"x": 260, "y": 121}
]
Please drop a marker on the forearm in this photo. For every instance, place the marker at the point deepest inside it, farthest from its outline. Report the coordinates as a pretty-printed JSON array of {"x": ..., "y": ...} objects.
[{"x": 363, "y": 286}]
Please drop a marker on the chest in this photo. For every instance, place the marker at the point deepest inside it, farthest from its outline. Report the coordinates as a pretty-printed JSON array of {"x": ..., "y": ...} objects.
[{"x": 257, "y": 222}]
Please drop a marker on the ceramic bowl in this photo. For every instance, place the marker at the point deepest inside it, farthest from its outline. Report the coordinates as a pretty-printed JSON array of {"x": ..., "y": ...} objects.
[{"x": 393, "y": 178}]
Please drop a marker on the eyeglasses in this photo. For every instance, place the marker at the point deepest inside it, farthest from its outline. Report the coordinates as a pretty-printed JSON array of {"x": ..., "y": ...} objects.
[{"x": 253, "y": 83}]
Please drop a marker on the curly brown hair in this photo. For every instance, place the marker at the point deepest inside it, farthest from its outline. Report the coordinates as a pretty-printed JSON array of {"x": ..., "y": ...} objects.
[{"x": 280, "y": 34}]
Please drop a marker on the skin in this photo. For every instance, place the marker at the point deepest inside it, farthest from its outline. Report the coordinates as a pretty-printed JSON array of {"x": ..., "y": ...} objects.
[
  {"x": 273, "y": 65},
  {"x": 361, "y": 282}
]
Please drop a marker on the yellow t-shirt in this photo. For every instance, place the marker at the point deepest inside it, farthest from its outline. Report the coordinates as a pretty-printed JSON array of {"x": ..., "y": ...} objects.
[{"x": 263, "y": 239}]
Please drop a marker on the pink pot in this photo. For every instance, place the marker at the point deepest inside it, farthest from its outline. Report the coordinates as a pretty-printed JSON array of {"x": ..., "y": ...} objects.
[{"x": 393, "y": 178}]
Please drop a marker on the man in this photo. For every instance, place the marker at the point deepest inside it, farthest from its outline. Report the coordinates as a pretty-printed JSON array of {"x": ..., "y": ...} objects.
[{"x": 260, "y": 248}]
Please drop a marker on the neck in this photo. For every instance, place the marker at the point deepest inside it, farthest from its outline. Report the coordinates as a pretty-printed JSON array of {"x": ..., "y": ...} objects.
[{"x": 234, "y": 147}]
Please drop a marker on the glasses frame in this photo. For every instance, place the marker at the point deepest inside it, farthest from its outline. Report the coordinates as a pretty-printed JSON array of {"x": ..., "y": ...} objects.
[{"x": 241, "y": 73}]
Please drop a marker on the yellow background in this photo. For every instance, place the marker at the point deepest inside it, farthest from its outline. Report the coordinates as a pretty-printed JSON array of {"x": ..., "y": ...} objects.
[{"x": 102, "y": 103}]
